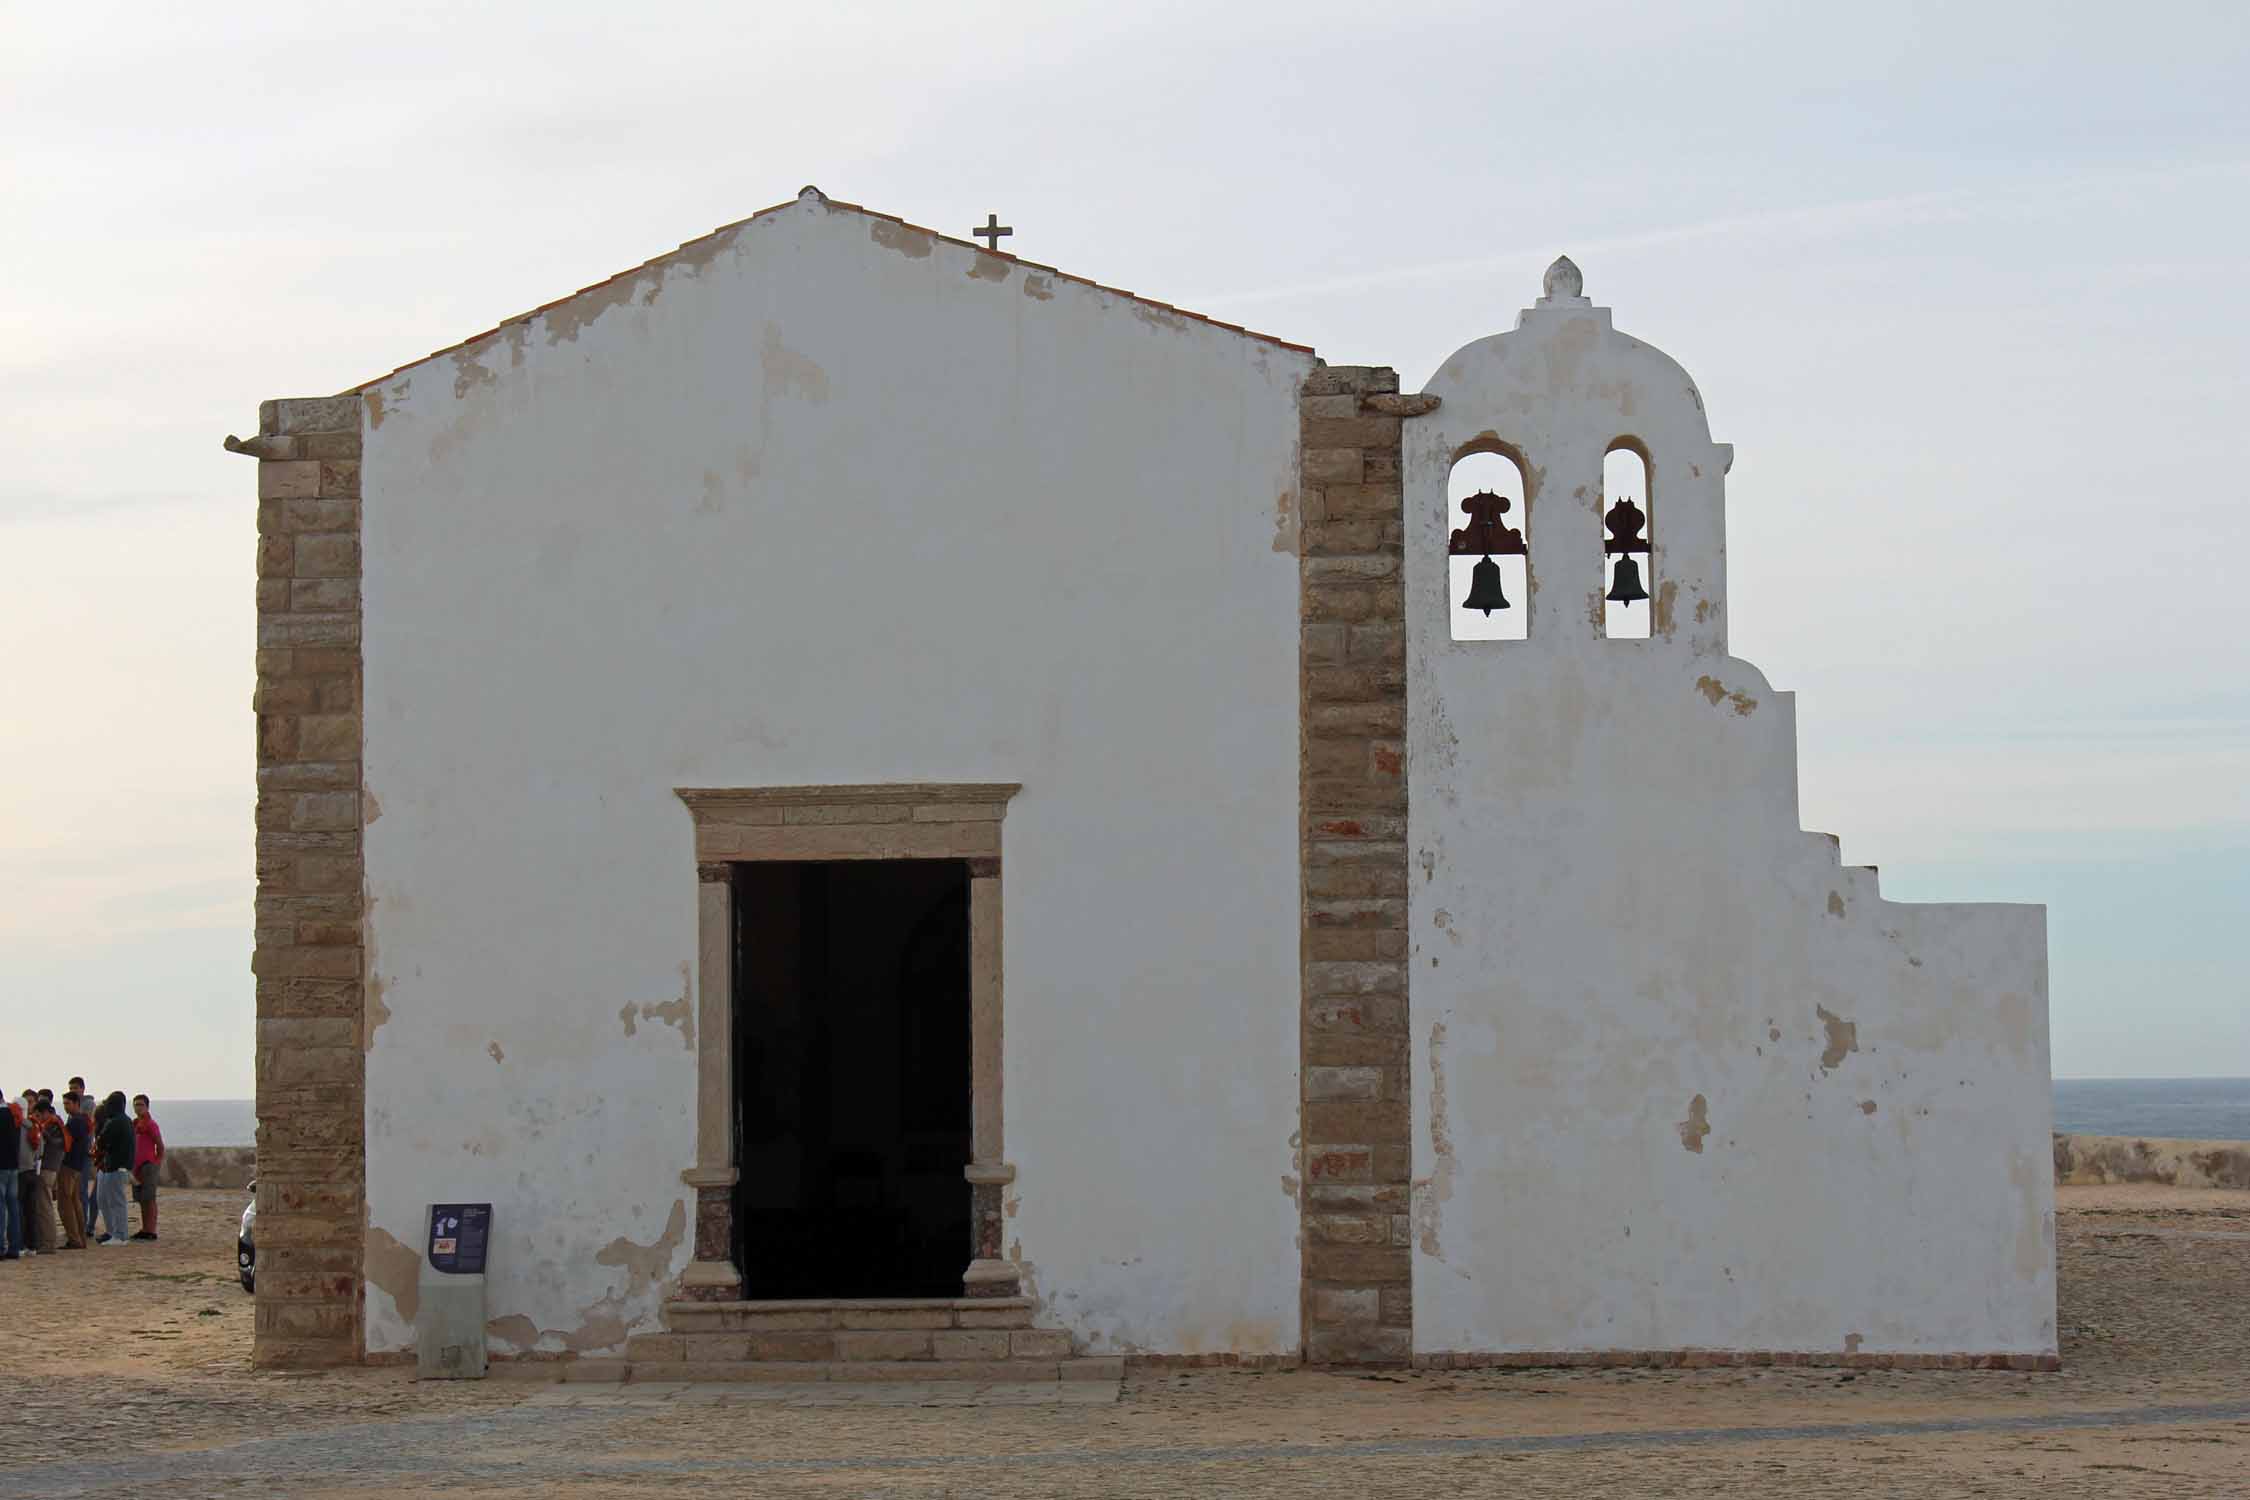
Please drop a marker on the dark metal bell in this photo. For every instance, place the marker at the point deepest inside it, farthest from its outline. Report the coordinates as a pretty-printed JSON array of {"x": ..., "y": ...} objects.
[
  {"x": 1625, "y": 584},
  {"x": 1484, "y": 588}
]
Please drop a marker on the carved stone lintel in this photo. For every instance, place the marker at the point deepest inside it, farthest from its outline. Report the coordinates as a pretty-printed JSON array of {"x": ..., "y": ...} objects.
[
  {"x": 985, "y": 867},
  {"x": 714, "y": 874},
  {"x": 993, "y": 794}
]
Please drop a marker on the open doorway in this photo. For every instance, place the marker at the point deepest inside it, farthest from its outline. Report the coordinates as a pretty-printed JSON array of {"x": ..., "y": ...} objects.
[{"x": 851, "y": 1077}]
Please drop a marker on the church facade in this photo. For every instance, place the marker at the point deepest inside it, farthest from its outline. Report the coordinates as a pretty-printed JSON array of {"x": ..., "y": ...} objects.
[{"x": 888, "y": 806}]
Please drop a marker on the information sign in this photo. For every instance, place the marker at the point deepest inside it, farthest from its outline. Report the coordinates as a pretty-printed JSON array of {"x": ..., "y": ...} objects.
[{"x": 459, "y": 1233}]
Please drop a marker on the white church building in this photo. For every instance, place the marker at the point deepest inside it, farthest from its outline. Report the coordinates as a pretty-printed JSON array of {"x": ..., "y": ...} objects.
[{"x": 894, "y": 810}]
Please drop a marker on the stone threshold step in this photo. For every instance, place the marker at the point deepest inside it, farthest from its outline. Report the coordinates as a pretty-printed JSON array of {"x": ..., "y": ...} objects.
[
  {"x": 848, "y": 1313},
  {"x": 1002, "y": 1372},
  {"x": 816, "y": 1345},
  {"x": 876, "y": 1304},
  {"x": 659, "y": 1394}
]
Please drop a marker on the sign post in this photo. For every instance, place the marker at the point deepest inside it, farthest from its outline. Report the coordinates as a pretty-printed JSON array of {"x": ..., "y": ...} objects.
[{"x": 449, "y": 1326}]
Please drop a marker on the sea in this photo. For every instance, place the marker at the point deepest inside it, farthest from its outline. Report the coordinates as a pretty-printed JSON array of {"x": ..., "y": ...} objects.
[
  {"x": 2188, "y": 1109},
  {"x": 207, "y": 1122}
]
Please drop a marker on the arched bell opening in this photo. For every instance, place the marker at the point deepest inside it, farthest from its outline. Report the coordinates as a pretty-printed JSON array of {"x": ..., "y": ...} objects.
[
  {"x": 1628, "y": 549},
  {"x": 1487, "y": 565}
]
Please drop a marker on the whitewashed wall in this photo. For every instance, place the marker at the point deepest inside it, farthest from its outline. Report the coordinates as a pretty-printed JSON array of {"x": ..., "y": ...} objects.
[
  {"x": 1680, "y": 1081},
  {"x": 826, "y": 501}
]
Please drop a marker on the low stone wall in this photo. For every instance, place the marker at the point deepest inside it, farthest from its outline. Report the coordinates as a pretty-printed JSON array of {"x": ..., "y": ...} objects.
[
  {"x": 210, "y": 1166},
  {"x": 2086, "y": 1160}
]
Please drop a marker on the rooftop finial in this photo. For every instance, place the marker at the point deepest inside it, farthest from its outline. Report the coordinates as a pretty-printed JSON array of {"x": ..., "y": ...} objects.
[
  {"x": 992, "y": 231},
  {"x": 814, "y": 193},
  {"x": 1563, "y": 281}
]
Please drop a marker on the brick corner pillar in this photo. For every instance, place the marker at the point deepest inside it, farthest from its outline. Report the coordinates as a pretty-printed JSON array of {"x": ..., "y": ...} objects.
[
  {"x": 310, "y": 953},
  {"x": 1357, "y": 1118}
]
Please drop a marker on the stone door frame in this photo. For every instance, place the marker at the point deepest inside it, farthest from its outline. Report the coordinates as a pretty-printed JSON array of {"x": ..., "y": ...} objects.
[{"x": 899, "y": 820}]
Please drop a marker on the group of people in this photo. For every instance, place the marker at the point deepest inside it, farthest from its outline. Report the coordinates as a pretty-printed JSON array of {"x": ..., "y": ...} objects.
[{"x": 66, "y": 1167}]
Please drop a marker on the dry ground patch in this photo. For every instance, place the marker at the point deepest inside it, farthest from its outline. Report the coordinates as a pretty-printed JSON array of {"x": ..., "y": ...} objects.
[{"x": 2153, "y": 1316}]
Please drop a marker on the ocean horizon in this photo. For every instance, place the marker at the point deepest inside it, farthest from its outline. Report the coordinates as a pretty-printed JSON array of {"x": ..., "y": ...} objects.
[
  {"x": 207, "y": 1122},
  {"x": 2191, "y": 1109},
  {"x": 2186, "y": 1109}
]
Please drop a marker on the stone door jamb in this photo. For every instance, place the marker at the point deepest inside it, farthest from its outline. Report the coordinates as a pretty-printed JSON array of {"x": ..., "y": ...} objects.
[{"x": 906, "y": 820}]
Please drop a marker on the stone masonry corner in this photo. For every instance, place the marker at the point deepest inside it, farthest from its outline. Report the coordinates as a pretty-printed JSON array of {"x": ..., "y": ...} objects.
[
  {"x": 1357, "y": 1284},
  {"x": 310, "y": 959}
]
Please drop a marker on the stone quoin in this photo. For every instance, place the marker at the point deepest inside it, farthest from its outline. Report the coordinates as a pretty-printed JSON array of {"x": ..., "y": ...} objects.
[{"x": 658, "y": 694}]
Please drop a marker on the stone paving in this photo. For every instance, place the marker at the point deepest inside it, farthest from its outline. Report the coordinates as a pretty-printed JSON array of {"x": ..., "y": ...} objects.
[
  {"x": 2155, "y": 1400},
  {"x": 594, "y": 1450}
]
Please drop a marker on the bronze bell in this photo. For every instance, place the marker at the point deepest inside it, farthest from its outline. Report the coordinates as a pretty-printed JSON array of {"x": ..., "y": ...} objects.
[
  {"x": 1484, "y": 587},
  {"x": 1625, "y": 586}
]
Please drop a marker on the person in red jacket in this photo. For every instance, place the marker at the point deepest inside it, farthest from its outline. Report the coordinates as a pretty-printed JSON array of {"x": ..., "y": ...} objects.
[
  {"x": 11, "y": 1201},
  {"x": 148, "y": 1156}
]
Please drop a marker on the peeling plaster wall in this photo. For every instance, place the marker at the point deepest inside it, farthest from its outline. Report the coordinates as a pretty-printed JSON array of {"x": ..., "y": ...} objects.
[
  {"x": 1680, "y": 1080},
  {"x": 825, "y": 500}
]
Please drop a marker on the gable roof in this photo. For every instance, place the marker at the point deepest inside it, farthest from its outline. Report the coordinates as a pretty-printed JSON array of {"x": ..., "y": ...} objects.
[{"x": 690, "y": 249}]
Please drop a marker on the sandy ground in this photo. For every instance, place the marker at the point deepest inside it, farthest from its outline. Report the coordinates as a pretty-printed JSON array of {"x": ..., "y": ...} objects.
[{"x": 2155, "y": 1399}]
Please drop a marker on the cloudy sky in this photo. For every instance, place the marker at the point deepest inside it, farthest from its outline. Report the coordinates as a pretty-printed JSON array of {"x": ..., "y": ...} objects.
[{"x": 1965, "y": 286}]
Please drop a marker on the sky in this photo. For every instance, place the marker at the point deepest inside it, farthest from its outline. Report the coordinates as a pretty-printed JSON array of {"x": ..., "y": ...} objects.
[{"x": 1964, "y": 285}]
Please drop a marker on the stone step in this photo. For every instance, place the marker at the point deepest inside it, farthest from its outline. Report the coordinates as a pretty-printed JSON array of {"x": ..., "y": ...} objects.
[
  {"x": 840, "y": 1313},
  {"x": 850, "y": 1345},
  {"x": 984, "y": 1371}
]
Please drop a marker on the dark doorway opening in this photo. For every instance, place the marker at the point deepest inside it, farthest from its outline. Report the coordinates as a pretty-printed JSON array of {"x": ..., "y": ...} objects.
[{"x": 851, "y": 1077}]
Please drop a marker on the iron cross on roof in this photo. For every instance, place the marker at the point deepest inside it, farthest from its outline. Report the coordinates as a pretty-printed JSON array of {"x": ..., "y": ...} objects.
[{"x": 991, "y": 231}]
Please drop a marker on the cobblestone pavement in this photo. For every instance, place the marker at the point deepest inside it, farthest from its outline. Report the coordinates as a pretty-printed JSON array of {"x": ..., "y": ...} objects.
[
  {"x": 591, "y": 1451},
  {"x": 2155, "y": 1401}
]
